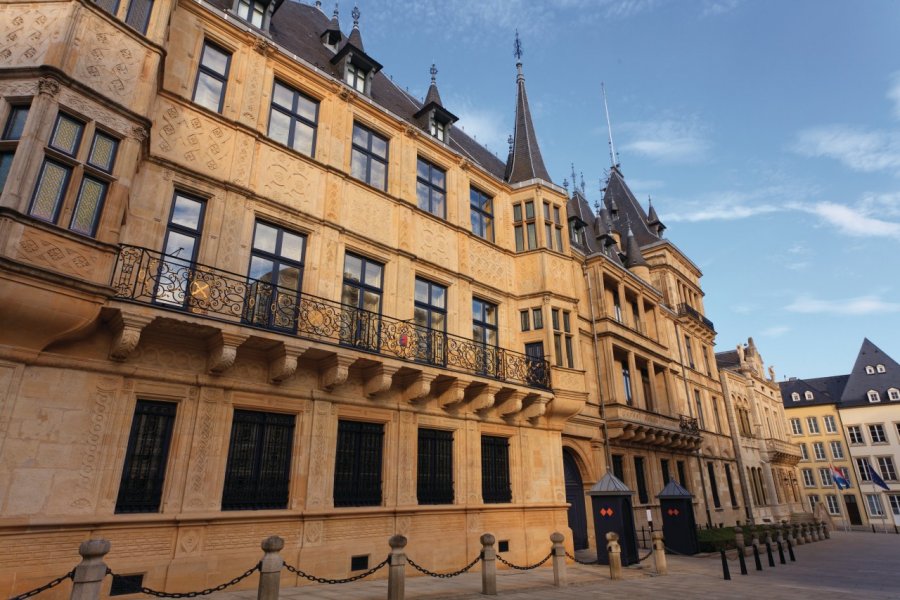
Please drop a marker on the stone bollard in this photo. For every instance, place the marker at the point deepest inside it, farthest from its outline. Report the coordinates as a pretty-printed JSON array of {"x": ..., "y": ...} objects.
[
  {"x": 814, "y": 531},
  {"x": 559, "y": 558},
  {"x": 615, "y": 555},
  {"x": 768, "y": 537},
  {"x": 799, "y": 535},
  {"x": 659, "y": 553},
  {"x": 825, "y": 533},
  {"x": 488, "y": 565},
  {"x": 397, "y": 568},
  {"x": 739, "y": 540},
  {"x": 91, "y": 571},
  {"x": 270, "y": 569},
  {"x": 754, "y": 539}
]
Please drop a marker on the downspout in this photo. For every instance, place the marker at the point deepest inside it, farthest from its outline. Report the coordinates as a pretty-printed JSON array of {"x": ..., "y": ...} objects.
[{"x": 597, "y": 366}]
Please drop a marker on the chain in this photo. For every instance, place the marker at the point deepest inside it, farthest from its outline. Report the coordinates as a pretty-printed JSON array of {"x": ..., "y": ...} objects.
[
  {"x": 670, "y": 551},
  {"x": 305, "y": 575},
  {"x": 646, "y": 556},
  {"x": 581, "y": 562},
  {"x": 45, "y": 587},
  {"x": 206, "y": 592},
  {"x": 466, "y": 568},
  {"x": 525, "y": 568}
]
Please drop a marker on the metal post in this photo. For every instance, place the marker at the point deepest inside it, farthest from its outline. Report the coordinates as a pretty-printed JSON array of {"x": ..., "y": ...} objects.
[
  {"x": 659, "y": 553},
  {"x": 769, "y": 553},
  {"x": 756, "y": 557},
  {"x": 615, "y": 555},
  {"x": 791, "y": 551},
  {"x": 559, "y": 558},
  {"x": 781, "y": 552},
  {"x": 726, "y": 574},
  {"x": 91, "y": 571},
  {"x": 742, "y": 561},
  {"x": 270, "y": 569},
  {"x": 397, "y": 568},
  {"x": 488, "y": 565}
]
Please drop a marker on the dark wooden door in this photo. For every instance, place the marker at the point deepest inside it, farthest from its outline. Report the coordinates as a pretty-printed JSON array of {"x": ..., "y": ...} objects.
[
  {"x": 852, "y": 509},
  {"x": 575, "y": 498}
]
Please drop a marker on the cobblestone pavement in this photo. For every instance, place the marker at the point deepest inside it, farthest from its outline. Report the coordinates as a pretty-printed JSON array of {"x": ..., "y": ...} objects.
[{"x": 860, "y": 565}]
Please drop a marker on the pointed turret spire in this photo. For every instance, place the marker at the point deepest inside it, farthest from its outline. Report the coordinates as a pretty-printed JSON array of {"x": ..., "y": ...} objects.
[
  {"x": 332, "y": 36},
  {"x": 433, "y": 116},
  {"x": 433, "y": 95},
  {"x": 355, "y": 36},
  {"x": 653, "y": 219},
  {"x": 525, "y": 161},
  {"x": 633, "y": 256}
]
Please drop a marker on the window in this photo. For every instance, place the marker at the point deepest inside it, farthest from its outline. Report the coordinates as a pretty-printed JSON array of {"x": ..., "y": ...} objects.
[
  {"x": 258, "y": 472},
  {"x": 484, "y": 333},
  {"x": 140, "y": 490},
  {"x": 617, "y": 308},
  {"x": 369, "y": 157},
  {"x": 434, "y": 477},
  {"x": 893, "y": 393},
  {"x": 876, "y": 432},
  {"x": 831, "y": 502},
  {"x": 825, "y": 476},
  {"x": 837, "y": 450},
  {"x": 795, "y": 397},
  {"x": 870, "y": 370},
  {"x": 804, "y": 453},
  {"x": 62, "y": 166},
  {"x": 879, "y": 369},
  {"x": 252, "y": 11},
  {"x": 548, "y": 227},
  {"x": 854, "y": 432},
  {"x": 819, "y": 451},
  {"x": 895, "y": 503},
  {"x": 567, "y": 329},
  {"x": 886, "y": 466},
  {"x": 618, "y": 465},
  {"x": 812, "y": 423},
  {"x": 212, "y": 77},
  {"x": 626, "y": 382},
  {"x": 699, "y": 405},
  {"x": 276, "y": 276},
  {"x": 716, "y": 416},
  {"x": 292, "y": 119},
  {"x": 110, "y": 6},
  {"x": 12, "y": 133},
  {"x": 356, "y": 77},
  {"x": 873, "y": 396},
  {"x": 357, "y": 467},
  {"x": 562, "y": 337},
  {"x": 664, "y": 467},
  {"x": 361, "y": 296},
  {"x": 730, "y": 482},
  {"x": 524, "y": 320},
  {"x": 830, "y": 425},
  {"x": 808, "y": 479},
  {"x": 873, "y": 503},
  {"x": 557, "y": 225},
  {"x": 641, "y": 479},
  {"x": 846, "y": 473},
  {"x": 713, "y": 485},
  {"x": 796, "y": 427},
  {"x": 682, "y": 478},
  {"x": 537, "y": 315},
  {"x": 689, "y": 351},
  {"x": 431, "y": 184},
  {"x": 138, "y": 15},
  {"x": 495, "y": 486},
  {"x": 808, "y": 395},
  {"x": 430, "y": 317},
  {"x": 481, "y": 211},
  {"x": 525, "y": 229},
  {"x": 862, "y": 467},
  {"x": 180, "y": 247},
  {"x": 438, "y": 129}
]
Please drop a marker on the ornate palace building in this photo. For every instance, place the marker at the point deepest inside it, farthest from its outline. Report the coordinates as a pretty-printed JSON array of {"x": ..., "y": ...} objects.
[{"x": 250, "y": 286}]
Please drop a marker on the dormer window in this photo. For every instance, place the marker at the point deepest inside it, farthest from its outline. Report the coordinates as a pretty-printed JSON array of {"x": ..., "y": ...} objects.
[
  {"x": 439, "y": 130},
  {"x": 870, "y": 370},
  {"x": 356, "y": 77},
  {"x": 879, "y": 369},
  {"x": 808, "y": 395},
  {"x": 874, "y": 396},
  {"x": 893, "y": 394},
  {"x": 795, "y": 397},
  {"x": 252, "y": 11}
]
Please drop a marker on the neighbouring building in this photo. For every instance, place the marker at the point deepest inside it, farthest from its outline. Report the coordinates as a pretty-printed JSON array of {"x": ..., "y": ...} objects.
[{"x": 767, "y": 457}]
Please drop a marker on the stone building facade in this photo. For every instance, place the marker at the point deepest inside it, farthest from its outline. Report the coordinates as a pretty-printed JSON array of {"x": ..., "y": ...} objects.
[{"x": 251, "y": 286}]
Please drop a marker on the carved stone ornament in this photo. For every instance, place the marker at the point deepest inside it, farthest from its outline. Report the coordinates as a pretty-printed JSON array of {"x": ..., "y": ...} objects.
[
  {"x": 127, "y": 330},
  {"x": 263, "y": 46},
  {"x": 336, "y": 372},
  {"x": 379, "y": 379},
  {"x": 48, "y": 85},
  {"x": 464, "y": 164},
  {"x": 346, "y": 95},
  {"x": 223, "y": 352},
  {"x": 140, "y": 133},
  {"x": 411, "y": 131}
]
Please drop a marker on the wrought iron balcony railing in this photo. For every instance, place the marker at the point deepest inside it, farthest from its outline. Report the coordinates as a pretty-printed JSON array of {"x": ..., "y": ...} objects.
[
  {"x": 687, "y": 309},
  {"x": 690, "y": 425},
  {"x": 168, "y": 282}
]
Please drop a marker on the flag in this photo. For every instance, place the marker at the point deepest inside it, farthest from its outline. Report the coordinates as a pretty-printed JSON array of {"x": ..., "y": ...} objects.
[
  {"x": 876, "y": 478},
  {"x": 839, "y": 480}
]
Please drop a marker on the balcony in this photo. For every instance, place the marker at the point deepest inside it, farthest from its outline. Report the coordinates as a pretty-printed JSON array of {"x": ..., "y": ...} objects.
[
  {"x": 170, "y": 283},
  {"x": 630, "y": 425},
  {"x": 782, "y": 452},
  {"x": 693, "y": 313}
]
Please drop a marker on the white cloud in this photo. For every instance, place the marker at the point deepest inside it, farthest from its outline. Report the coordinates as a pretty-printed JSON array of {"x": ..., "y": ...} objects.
[
  {"x": 853, "y": 221},
  {"x": 882, "y": 205},
  {"x": 856, "y": 148},
  {"x": 668, "y": 140},
  {"x": 485, "y": 125},
  {"x": 861, "y": 305},
  {"x": 713, "y": 8},
  {"x": 775, "y": 331},
  {"x": 893, "y": 93}
]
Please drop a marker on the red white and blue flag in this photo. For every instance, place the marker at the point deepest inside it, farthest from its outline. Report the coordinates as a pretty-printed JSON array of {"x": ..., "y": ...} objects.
[{"x": 839, "y": 480}]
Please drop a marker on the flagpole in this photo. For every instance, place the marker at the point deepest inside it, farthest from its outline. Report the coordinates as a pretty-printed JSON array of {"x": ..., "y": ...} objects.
[
  {"x": 878, "y": 494},
  {"x": 844, "y": 516}
]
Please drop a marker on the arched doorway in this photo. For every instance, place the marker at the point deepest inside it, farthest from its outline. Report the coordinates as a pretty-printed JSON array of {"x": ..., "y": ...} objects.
[{"x": 575, "y": 498}]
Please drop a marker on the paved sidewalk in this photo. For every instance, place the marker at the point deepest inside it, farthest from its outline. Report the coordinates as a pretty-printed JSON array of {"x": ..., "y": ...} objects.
[{"x": 858, "y": 565}]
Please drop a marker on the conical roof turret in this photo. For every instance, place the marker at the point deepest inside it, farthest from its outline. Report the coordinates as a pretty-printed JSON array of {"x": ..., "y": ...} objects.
[
  {"x": 525, "y": 161},
  {"x": 355, "y": 37},
  {"x": 633, "y": 256}
]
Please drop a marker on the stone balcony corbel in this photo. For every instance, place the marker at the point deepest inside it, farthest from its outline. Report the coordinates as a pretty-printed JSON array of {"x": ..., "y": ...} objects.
[
  {"x": 535, "y": 408},
  {"x": 378, "y": 379},
  {"x": 335, "y": 371},
  {"x": 451, "y": 392},
  {"x": 127, "y": 328},
  {"x": 283, "y": 361},
  {"x": 481, "y": 395},
  {"x": 510, "y": 403},
  {"x": 222, "y": 350},
  {"x": 418, "y": 387}
]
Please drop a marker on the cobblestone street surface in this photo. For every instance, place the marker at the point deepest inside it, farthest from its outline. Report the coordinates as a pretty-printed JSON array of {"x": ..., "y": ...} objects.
[{"x": 859, "y": 565}]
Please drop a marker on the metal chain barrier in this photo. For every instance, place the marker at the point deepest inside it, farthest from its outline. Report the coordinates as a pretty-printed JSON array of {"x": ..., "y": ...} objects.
[
  {"x": 646, "y": 556},
  {"x": 425, "y": 571},
  {"x": 45, "y": 587},
  {"x": 676, "y": 552},
  {"x": 305, "y": 575},
  {"x": 206, "y": 592},
  {"x": 581, "y": 562},
  {"x": 525, "y": 568}
]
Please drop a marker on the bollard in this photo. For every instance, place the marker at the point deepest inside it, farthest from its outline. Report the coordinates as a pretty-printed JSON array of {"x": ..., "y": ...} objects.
[
  {"x": 397, "y": 568},
  {"x": 873, "y": 528},
  {"x": 726, "y": 574},
  {"x": 791, "y": 551},
  {"x": 659, "y": 553},
  {"x": 781, "y": 552},
  {"x": 801, "y": 537},
  {"x": 739, "y": 541},
  {"x": 91, "y": 571},
  {"x": 790, "y": 533},
  {"x": 769, "y": 553},
  {"x": 756, "y": 557},
  {"x": 559, "y": 558},
  {"x": 615, "y": 555},
  {"x": 814, "y": 531},
  {"x": 488, "y": 565},
  {"x": 270, "y": 569},
  {"x": 743, "y": 562},
  {"x": 827, "y": 534}
]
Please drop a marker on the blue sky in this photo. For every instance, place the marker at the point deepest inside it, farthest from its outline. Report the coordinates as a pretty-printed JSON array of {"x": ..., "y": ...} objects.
[{"x": 767, "y": 133}]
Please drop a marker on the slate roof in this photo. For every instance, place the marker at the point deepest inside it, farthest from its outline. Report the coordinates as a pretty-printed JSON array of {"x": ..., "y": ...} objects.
[
  {"x": 298, "y": 28},
  {"x": 609, "y": 485},
  {"x": 525, "y": 162},
  {"x": 859, "y": 383},
  {"x": 826, "y": 390},
  {"x": 728, "y": 359},
  {"x": 674, "y": 490},
  {"x": 628, "y": 211}
]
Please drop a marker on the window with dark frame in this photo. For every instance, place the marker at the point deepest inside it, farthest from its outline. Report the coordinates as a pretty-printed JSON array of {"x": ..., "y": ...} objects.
[
  {"x": 700, "y": 418},
  {"x": 430, "y": 317},
  {"x": 618, "y": 467},
  {"x": 258, "y": 471},
  {"x": 180, "y": 248},
  {"x": 713, "y": 485},
  {"x": 567, "y": 338},
  {"x": 626, "y": 382},
  {"x": 481, "y": 208},
  {"x": 518, "y": 227},
  {"x": 11, "y": 134},
  {"x": 557, "y": 224},
  {"x": 664, "y": 467},
  {"x": 524, "y": 320},
  {"x": 431, "y": 188},
  {"x": 728, "y": 480},
  {"x": 276, "y": 277},
  {"x": 357, "y": 469},
  {"x": 144, "y": 471},
  {"x": 110, "y": 6},
  {"x": 557, "y": 337},
  {"x": 361, "y": 294},
  {"x": 293, "y": 119},
  {"x": 355, "y": 77},
  {"x": 537, "y": 315},
  {"x": 548, "y": 227},
  {"x": 495, "y": 483},
  {"x": 641, "y": 480},
  {"x": 689, "y": 351},
  {"x": 369, "y": 156},
  {"x": 138, "y": 15},
  {"x": 682, "y": 478},
  {"x": 485, "y": 335},
  {"x": 252, "y": 11},
  {"x": 212, "y": 76},
  {"x": 434, "y": 476}
]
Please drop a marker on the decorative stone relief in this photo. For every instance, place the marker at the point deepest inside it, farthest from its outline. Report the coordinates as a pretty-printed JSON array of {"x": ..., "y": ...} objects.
[
  {"x": 26, "y": 31},
  {"x": 189, "y": 541},
  {"x": 187, "y": 137},
  {"x": 18, "y": 88},
  {"x": 48, "y": 85},
  {"x": 96, "y": 112},
  {"x": 312, "y": 533},
  {"x": 109, "y": 60},
  {"x": 487, "y": 266},
  {"x": 434, "y": 243},
  {"x": 104, "y": 397},
  {"x": 322, "y": 425},
  {"x": 44, "y": 250},
  {"x": 205, "y": 430},
  {"x": 364, "y": 210},
  {"x": 285, "y": 179}
]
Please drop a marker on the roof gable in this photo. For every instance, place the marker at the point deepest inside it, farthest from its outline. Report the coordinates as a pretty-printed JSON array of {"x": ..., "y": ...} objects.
[{"x": 860, "y": 382}]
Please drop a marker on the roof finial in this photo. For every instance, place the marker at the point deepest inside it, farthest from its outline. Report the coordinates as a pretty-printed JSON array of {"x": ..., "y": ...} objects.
[
  {"x": 574, "y": 178},
  {"x": 517, "y": 47},
  {"x": 355, "y": 15},
  {"x": 566, "y": 185},
  {"x": 612, "y": 147},
  {"x": 509, "y": 141},
  {"x": 434, "y": 73},
  {"x": 319, "y": 4},
  {"x": 583, "y": 192},
  {"x": 597, "y": 207},
  {"x": 336, "y": 13}
]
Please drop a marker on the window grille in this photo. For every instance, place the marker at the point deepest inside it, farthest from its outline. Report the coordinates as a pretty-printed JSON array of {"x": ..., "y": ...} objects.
[
  {"x": 259, "y": 461},
  {"x": 357, "y": 469},
  {"x": 435, "y": 467},
  {"x": 495, "y": 485},
  {"x": 140, "y": 490}
]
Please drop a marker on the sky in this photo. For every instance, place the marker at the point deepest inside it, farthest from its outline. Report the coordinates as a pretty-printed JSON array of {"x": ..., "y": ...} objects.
[{"x": 766, "y": 132}]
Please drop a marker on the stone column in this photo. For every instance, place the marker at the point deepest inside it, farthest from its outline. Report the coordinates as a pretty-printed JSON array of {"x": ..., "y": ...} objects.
[
  {"x": 397, "y": 568},
  {"x": 270, "y": 569},
  {"x": 488, "y": 565},
  {"x": 659, "y": 553},
  {"x": 559, "y": 558},
  {"x": 637, "y": 392},
  {"x": 91, "y": 571},
  {"x": 615, "y": 555}
]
